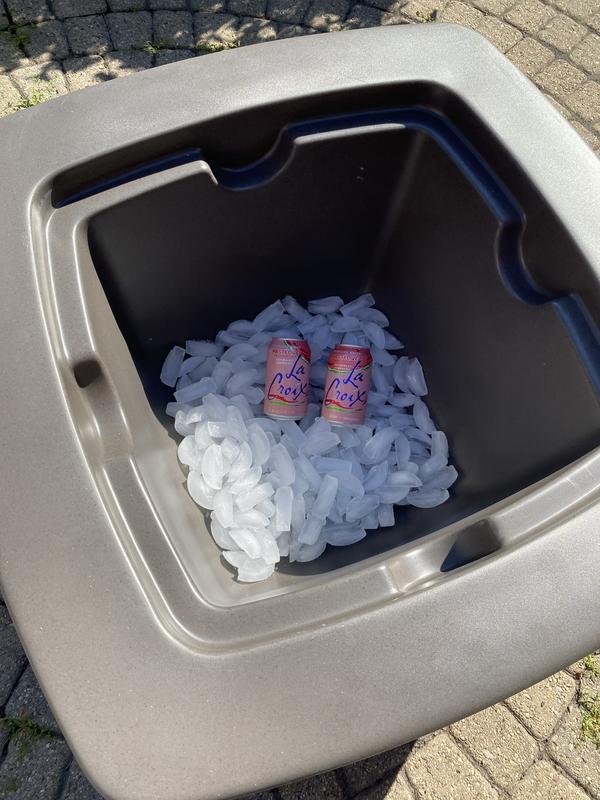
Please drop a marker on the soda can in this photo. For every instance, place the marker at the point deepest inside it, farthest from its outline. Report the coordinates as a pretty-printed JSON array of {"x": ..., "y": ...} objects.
[
  {"x": 347, "y": 385},
  {"x": 286, "y": 385}
]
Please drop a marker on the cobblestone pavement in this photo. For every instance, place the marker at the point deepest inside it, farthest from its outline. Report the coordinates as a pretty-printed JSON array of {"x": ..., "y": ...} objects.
[{"x": 531, "y": 745}]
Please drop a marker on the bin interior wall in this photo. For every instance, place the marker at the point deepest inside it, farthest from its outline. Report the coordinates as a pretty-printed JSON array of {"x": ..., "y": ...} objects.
[{"x": 386, "y": 211}]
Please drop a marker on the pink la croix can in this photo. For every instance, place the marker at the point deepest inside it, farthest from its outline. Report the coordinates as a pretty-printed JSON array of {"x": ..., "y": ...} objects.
[
  {"x": 286, "y": 385},
  {"x": 347, "y": 385}
]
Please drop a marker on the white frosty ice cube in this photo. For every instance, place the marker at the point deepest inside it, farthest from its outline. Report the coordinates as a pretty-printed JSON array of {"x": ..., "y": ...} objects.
[
  {"x": 415, "y": 378},
  {"x": 223, "y": 506},
  {"x": 248, "y": 480},
  {"x": 246, "y": 541},
  {"x": 220, "y": 534},
  {"x": 385, "y": 515},
  {"x": 259, "y": 444},
  {"x": 325, "y": 305},
  {"x": 374, "y": 334},
  {"x": 187, "y": 452},
  {"x": 308, "y": 552},
  {"x": 378, "y": 446},
  {"x": 376, "y": 477},
  {"x": 325, "y": 497},
  {"x": 311, "y": 530},
  {"x": 212, "y": 466},
  {"x": 247, "y": 500},
  {"x": 429, "y": 498},
  {"x": 242, "y": 463},
  {"x": 268, "y": 315},
  {"x": 200, "y": 493},
  {"x": 282, "y": 465},
  {"x": 241, "y": 350},
  {"x": 254, "y": 569},
  {"x": 294, "y": 309}
]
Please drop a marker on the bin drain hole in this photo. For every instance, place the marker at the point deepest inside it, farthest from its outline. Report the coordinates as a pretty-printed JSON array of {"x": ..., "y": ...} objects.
[{"x": 86, "y": 372}]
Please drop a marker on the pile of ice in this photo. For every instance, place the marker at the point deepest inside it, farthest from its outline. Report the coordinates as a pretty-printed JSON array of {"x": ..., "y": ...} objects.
[{"x": 279, "y": 488}]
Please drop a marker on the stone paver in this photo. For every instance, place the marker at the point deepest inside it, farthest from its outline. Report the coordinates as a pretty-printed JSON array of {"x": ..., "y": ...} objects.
[
  {"x": 46, "y": 761},
  {"x": 77, "y": 786},
  {"x": 544, "y": 782},
  {"x": 540, "y": 707},
  {"x": 528, "y": 748},
  {"x": 9, "y": 99},
  {"x": 85, "y": 71},
  {"x": 45, "y": 42},
  {"x": 440, "y": 769},
  {"x": 173, "y": 29},
  {"x": 78, "y": 8},
  {"x": 133, "y": 29},
  {"x": 23, "y": 12},
  {"x": 88, "y": 35},
  {"x": 498, "y": 742},
  {"x": 579, "y": 759}
]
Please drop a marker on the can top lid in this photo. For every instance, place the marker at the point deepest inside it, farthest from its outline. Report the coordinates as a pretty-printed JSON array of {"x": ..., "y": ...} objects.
[{"x": 352, "y": 347}]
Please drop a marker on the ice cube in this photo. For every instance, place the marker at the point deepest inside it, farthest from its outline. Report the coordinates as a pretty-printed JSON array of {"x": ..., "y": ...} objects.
[
  {"x": 294, "y": 309},
  {"x": 283, "y": 508},
  {"x": 311, "y": 530},
  {"x": 241, "y": 380},
  {"x": 289, "y": 445},
  {"x": 391, "y": 342},
  {"x": 182, "y": 382},
  {"x": 266, "y": 507},
  {"x": 196, "y": 390},
  {"x": 204, "y": 370},
  {"x": 242, "y": 327},
  {"x": 235, "y": 557},
  {"x": 254, "y": 569},
  {"x": 325, "y": 497},
  {"x": 359, "y": 507},
  {"x": 374, "y": 333},
  {"x": 228, "y": 339},
  {"x": 230, "y": 449},
  {"x": 203, "y": 348},
  {"x": 403, "y": 400},
  {"x": 253, "y": 395},
  {"x": 385, "y": 515},
  {"x": 248, "y": 480},
  {"x": 442, "y": 479},
  {"x": 259, "y": 444},
  {"x": 349, "y": 483},
  {"x": 415, "y": 378},
  {"x": 381, "y": 356},
  {"x": 212, "y": 466},
  {"x": 364, "y": 301},
  {"x": 202, "y": 436},
  {"x": 223, "y": 505},
  {"x": 418, "y": 435},
  {"x": 308, "y": 552},
  {"x": 339, "y": 324},
  {"x": 269, "y": 551},
  {"x": 348, "y": 437},
  {"x": 309, "y": 471},
  {"x": 327, "y": 464},
  {"x": 190, "y": 364},
  {"x": 187, "y": 452},
  {"x": 428, "y": 498},
  {"x": 260, "y": 341},
  {"x": 392, "y": 494},
  {"x": 371, "y": 521},
  {"x": 432, "y": 465},
  {"x": 247, "y": 541},
  {"x": 283, "y": 543},
  {"x": 267, "y": 315},
  {"x": 325, "y": 305},
  {"x": 322, "y": 443},
  {"x": 173, "y": 408},
  {"x": 422, "y": 418},
  {"x": 403, "y": 477},
  {"x": 242, "y": 463},
  {"x": 378, "y": 446},
  {"x": 439, "y": 444},
  {"x": 298, "y": 513},
  {"x": 311, "y": 324},
  {"x": 376, "y": 477},
  {"x": 199, "y": 492},
  {"x": 247, "y": 500},
  {"x": 282, "y": 465},
  {"x": 380, "y": 381},
  {"x": 342, "y": 535},
  {"x": 220, "y": 534},
  {"x": 376, "y": 399},
  {"x": 221, "y": 374},
  {"x": 242, "y": 350},
  {"x": 181, "y": 424}
]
